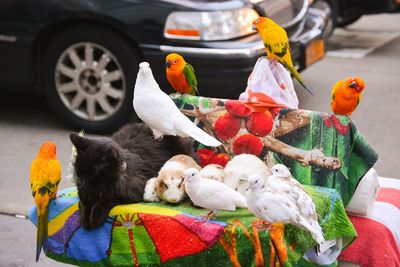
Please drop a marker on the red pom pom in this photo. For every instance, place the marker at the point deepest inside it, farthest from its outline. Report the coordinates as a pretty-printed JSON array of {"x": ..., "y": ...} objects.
[
  {"x": 237, "y": 108},
  {"x": 227, "y": 126},
  {"x": 204, "y": 155},
  {"x": 220, "y": 159},
  {"x": 248, "y": 144},
  {"x": 260, "y": 123}
]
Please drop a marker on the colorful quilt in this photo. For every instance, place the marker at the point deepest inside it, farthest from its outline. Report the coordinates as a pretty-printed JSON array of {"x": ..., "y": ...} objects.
[
  {"x": 153, "y": 234},
  {"x": 319, "y": 148}
]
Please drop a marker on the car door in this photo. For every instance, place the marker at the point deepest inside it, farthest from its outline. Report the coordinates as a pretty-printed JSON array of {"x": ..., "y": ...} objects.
[{"x": 16, "y": 27}]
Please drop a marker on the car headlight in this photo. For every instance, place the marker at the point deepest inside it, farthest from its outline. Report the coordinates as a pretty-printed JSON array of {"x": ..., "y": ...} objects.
[{"x": 210, "y": 25}]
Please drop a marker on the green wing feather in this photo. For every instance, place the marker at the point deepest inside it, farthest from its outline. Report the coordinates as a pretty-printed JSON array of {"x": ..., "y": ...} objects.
[{"x": 190, "y": 77}]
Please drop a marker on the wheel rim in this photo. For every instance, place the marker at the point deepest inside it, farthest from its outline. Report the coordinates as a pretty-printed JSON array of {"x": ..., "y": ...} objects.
[{"x": 89, "y": 81}]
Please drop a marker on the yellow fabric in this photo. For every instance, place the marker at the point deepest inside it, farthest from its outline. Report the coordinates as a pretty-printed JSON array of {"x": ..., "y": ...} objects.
[
  {"x": 140, "y": 208},
  {"x": 58, "y": 222}
]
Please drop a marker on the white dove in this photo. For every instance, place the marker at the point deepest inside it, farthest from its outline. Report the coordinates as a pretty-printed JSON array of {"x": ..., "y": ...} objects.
[
  {"x": 211, "y": 194},
  {"x": 158, "y": 111},
  {"x": 274, "y": 207},
  {"x": 282, "y": 181}
]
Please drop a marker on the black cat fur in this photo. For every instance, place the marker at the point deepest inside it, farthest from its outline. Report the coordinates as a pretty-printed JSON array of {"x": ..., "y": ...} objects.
[{"x": 113, "y": 171}]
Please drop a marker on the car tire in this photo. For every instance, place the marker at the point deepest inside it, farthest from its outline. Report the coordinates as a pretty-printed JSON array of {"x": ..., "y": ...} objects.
[
  {"x": 345, "y": 21},
  {"x": 89, "y": 75},
  {"x": 332, "y": 6}
]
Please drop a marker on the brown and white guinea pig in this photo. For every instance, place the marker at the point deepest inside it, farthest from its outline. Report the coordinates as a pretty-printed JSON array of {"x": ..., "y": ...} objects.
[
  {"x": 170, "y": 187},
  {"x": 214, "y": 172}
]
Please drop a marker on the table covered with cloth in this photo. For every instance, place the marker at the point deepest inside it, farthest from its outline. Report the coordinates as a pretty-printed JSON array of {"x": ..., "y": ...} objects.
[{"x": 153, "y": 234}]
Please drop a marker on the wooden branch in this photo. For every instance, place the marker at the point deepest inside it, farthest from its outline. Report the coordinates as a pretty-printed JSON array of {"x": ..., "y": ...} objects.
[
  {"x": 292, "y": 121},
  {"x": 306, "y": 158}
]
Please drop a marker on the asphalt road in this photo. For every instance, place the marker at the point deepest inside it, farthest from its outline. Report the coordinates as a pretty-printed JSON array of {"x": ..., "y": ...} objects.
[{"x": 26, "y": 121}]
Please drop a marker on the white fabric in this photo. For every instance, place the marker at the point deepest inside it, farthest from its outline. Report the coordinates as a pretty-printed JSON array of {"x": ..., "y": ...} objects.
[
  {"x": 388, "y": 215},
  {"x": 329, "y": 256},
  {"x": 267, "y": 77},
  {"x": 389, "y": 182},
  {"x": 363, "y": 199}
]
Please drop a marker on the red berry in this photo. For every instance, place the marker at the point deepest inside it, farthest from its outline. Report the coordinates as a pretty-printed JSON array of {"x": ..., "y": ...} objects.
[
  {"x": 227, "y": 126},
  {"x": 204, "y": 155},
  {"x": 220, "y": 159},
  {"x": 260, "y": 123},
  {"x": 248, "y": 144},
  {"x": 237, "y": 108}
]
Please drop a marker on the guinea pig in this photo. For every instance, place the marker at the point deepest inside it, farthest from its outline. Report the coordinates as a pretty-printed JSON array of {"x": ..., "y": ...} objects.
[
  {"x": 150, "y": 194},
  {"x": 240, "y": 168},
  {"x": 213, "y": 171},
  {"x": 170, "y": 187}
]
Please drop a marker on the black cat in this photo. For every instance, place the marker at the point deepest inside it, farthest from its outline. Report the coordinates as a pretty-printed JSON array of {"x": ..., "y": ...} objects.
[{"x": 113, "y": 171}]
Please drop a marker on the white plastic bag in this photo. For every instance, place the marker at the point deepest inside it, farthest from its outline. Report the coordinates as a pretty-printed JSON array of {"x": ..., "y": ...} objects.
[
  {"x": 273, "y": 80},
  {"x": 364, "y": 197}
]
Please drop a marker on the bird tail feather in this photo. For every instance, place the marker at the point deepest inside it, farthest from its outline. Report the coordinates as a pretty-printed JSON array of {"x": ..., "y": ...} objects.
[
  {"x": 315, "y": 231},
  {"x": 41, "y": 238},
  {"x": 200, "y": 136},
  {"x": 294, "y": 72},
  {"x": 240, "y": 200}
]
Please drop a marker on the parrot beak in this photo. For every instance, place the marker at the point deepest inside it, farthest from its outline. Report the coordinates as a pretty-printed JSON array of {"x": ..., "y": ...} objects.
[
  {"x": 254, "y": 27},
  {"x": 353, "y": 85},
  {"x": 167, "y": 64}
]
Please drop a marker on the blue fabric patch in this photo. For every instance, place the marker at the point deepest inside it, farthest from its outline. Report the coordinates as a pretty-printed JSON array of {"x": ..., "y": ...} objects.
[
  {"x": 56, "y": 206},
  {"x": 90, "y": 245}
]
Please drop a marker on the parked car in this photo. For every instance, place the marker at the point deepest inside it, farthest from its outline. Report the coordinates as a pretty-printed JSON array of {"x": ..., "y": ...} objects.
[
  {"x": 345, "y": 12},
  {"x": 84, "y": 55}
]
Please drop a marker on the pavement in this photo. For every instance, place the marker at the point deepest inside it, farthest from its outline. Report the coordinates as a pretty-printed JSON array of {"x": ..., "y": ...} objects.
[{"x": 26, "y": 121}]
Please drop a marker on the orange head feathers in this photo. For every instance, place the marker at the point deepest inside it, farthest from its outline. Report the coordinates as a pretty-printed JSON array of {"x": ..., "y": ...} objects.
[
  {"x": 47, "y": 150},
  {"x": 175, "y": 62},
  {"x": 355, "y": 84},
  {"x": 262, "y": 22}
]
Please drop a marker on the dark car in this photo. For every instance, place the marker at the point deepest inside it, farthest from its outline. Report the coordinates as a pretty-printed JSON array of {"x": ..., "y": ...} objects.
[
  {"x": 84, "y": 55},
  {"x": 345, "y": 12}
]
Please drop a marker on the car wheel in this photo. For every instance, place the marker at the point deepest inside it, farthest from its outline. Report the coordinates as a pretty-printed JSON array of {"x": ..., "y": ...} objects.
[
  {"x": 332, "y": 8},
  {"x": 89, "y": 78},
  {"x": 347, "y": 20}
]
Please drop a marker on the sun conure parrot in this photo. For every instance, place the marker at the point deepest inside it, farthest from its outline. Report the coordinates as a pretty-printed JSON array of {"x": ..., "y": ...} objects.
[
  {"x": 276, "y": 45},
  {"x": 45, "y": 175},
  {"x": 180, "y": 74},
  {"x": 346, "y": 95}
]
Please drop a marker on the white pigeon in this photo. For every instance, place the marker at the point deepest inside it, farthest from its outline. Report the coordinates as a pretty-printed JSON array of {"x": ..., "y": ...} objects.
[
  {"x": 158, "y": 111},
  {"x": 238, "y": 170},
  {"x": 275, "y": 207},
  {"x": 282, "y": 181},
  {"x": 211, "y": 194}
]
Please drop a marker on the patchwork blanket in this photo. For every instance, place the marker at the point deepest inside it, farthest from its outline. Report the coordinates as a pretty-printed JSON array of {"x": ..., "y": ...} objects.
[
  {"x": 319, "y": 148},
  {"x": 153, "y": 234}
]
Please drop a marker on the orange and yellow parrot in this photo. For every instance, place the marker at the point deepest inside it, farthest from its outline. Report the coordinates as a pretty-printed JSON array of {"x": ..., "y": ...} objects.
[
  {"x": 276, "y": 44},
  {"x": 346, "y": 95},
  {"x": 45, "y": 175},
  {"x": 180, "y": 74}
]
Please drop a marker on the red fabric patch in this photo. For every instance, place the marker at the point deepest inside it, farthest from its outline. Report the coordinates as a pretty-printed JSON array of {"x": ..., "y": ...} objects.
[
  {"x": 208, "y": 231},
  {"x": 389, "y": 195},
  {"x": 171, "y": 239},
  {"x": 375, "y": 245}
]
